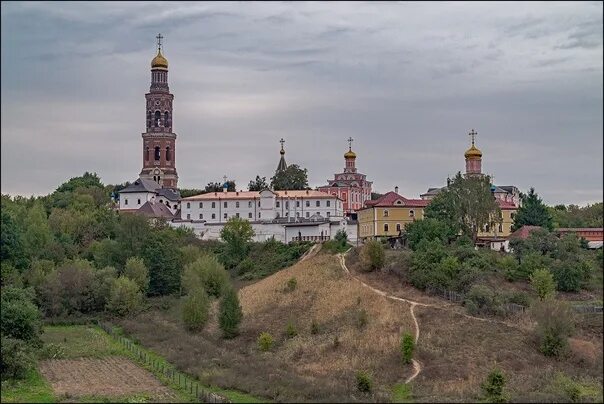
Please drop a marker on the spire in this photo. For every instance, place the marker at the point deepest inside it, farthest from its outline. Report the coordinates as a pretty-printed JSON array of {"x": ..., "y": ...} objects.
[
  {"x": 159, "y": 61},
  {"x": 473, "y": 156},
  {"x": 282, "y": 166}
]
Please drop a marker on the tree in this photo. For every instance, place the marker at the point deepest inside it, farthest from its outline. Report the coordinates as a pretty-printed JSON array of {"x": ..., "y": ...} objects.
[
  {"x": 132, "y": 233},
  {"x": 493, "y": 387},
  {"x": 258, "y": 184},
  {"x": 293, "y": 177},
  {"x": 19, "y": 317},
  {"x": 125, "y": 297},
  {"x": 236, "y": 233},
  {"x": 543, "y": 282},
  {"x": 555, "y": 323},
  {"x": 11, "y": 240},
  {"x": 136, "y": 270},
  {"x": 443, "y": 207},
  {"x": 407, "y": 347},
  {"x": 230, "y": 314},
  {"x": 37, "y": 232},
  {"x": 186, "y": 192},
  {"x": 428, "y": 229},
  {"x": 533, "y": 212},
  {"x": 162, "y": 258},
  {"x": 207, "y": 273},
  {"x": 85, "y": 181},
  {"x": 195, "y": 309},
  {"x": 372, "y": 255},
  {"x": 217, "y": 186}
]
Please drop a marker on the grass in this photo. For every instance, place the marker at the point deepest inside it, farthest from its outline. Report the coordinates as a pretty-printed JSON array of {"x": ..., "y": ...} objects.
[
  {"x": 32, "y": 389},
  {"x": 401, "y": 393},
  {"x": 81, "y": 342}
]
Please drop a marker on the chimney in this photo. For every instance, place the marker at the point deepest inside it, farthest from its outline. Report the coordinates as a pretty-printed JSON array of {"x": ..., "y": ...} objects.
[{"x": 396, "y": 189}]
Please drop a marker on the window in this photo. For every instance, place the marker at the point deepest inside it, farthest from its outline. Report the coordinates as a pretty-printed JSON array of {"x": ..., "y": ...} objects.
[
  {"x": 385, "y": 227},
  {"x": 500, "y": 227},
  {"x": 188, "y": 205},
  {"x": 307, "y": 214},
  {"x": 249, "y": 215},
  {"x": 328, "y": 204},
  {"x": 259, "y": 215},
  {"x": 166, "y": 119},
  {"x": 297, "y": 204},
  {"x": 200, "y": 205},
  {"x": 157, "y": 118},
  {"x": 297, "y": 214},
  {"x": 411, "y": 213},
  {"x": 278, "y": 204},
  {"x": 168, "y": 155},
  {"x": 149, "y": 119},
  {"x": 249, "y": 205},
  {"x": 225, "y": 204},
  {"x": 307, "y": 204},
  {"x": 169, "y": 205},
  {"x": 386, "y": 213},
  {"x": 125, "y": 201},
  {"x": 318, "y": 203},
  {"x": 486, "y": 228},
  {"x": 237, "y": 204},
  {"x": 188, "y": 216},
  {"x": 328, "y": 214},
  {"x": 213, "y": 215},
  {"x": 200, "y": 216},
  {"x": 139, "y": 201},
  {"x": 157, "y": 153},
  {"x": 237, "y": 214},
  {"x": 286, "y": 204},
  {"x": 398, "y": 227},
  {"x": 147, "y": 153},
  {"x": 214, "y": 205},
  {"x": 225, "y": 216}
]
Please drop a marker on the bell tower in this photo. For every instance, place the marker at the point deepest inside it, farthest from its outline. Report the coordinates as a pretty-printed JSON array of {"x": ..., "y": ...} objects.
[{"x": 159, "y": 141}]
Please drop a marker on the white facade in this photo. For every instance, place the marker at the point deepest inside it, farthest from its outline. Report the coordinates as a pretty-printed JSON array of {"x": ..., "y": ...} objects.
[{"x": 134, "y": 200}]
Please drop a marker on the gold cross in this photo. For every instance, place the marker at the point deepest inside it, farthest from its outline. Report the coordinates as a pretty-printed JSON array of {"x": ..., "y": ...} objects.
[
  {"x": 159, "y": 38},
  {"x": 473, "y": 134}
]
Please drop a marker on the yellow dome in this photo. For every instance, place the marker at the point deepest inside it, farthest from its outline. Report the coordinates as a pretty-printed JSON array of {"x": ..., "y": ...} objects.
[
  {"x": 159, "y": 61},
  {"x": 350, "y": 155},
  {"x": 473, "y": 152}
]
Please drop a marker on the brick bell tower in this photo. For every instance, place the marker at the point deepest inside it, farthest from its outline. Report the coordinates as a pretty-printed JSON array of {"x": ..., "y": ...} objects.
[{"x": 159, "y": 142}]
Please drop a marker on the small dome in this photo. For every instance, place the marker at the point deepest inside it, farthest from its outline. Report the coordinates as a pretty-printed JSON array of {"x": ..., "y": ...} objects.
[
  {"x": 473, "y": 152},
  {"x": 159, "y": 61},
  {"x": 350, "y": 155}
]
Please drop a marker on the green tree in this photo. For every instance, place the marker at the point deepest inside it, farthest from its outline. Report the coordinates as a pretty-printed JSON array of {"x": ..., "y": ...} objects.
[
  {"x": 258, "y": 184},
  {"x": 372, "y": 255},
  {"x": 427, "y": 229},
  {"x": 11, "y": 240},
  {"x": 87, "y": 180},
  {"x": 407, "y": 347},
  {"x": 195, "y": 309},
  {"x": 136, "y": 270},
  {"x": 533, "y": 212},
  {"x": 16, "y": 358},
  {"x": 555, "y": 324},
  {"x": 493, "y": 387},
  {"x": 185, "y": 192},
  {"x": 291, "y": 178},
  {"x": 237, "y": 234},
  {"x": 132, "y": 233},
  {"x": 543, "y": 282},
  {"x": 19, "y": 317},
  {"x": 163, "y": 260},
  {"x": 37, "y": 232},
  {"x": 230, "y": 313},
  {"x": 206, "y": 272},
  {"x": 125, "y": 297},
  {"x": 218, "y": 186}
]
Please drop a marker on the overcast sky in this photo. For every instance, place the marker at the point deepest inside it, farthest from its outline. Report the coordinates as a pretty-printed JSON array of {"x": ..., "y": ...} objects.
[{"x": 407, "y": 81}]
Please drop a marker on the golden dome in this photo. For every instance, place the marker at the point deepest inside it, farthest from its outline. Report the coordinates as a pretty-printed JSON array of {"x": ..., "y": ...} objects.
[
  {"x": 159, "y": 61},
  {"x": 350, "y": 155},
  {"x": 473, "y": 152}
]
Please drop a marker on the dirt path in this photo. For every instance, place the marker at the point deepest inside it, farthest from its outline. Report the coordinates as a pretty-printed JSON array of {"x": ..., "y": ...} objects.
[
  {"x": 416, "y": 365},
  {"x": 312, "y": 252}
]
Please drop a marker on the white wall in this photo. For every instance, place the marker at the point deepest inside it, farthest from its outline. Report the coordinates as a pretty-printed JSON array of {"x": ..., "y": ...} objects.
[{"x": 133, "y": 199}]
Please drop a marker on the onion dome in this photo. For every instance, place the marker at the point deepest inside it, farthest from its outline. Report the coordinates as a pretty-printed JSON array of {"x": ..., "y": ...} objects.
[
  {"x": 473, "y": 153},
  {"x": 159, "y": 61},
  {"x": 350, "y": 155}
]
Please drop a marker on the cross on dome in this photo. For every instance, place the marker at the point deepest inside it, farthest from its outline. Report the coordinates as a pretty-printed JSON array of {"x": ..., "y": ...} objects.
[
  {"x": 473, "y": 134},
  {"x": 159, "y": 38},
  {"x": 350, "y": 139}
]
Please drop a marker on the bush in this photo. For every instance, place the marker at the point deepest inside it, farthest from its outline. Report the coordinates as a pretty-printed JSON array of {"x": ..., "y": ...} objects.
[
  {"x": 555, "y": 323},
  {"x": 136, "y": 270},
  {"x": 236, "y": 233},
  {"x": 509, "y": 266},
  {"x": 364, "y": 383},
  {"x": 268, "y": 257},
  {"x": 16, "y": 358},
  {"x": 230, "y": 313},
  {"x": 361, "y": 318},
  {"x": 483, "y": 300},
  {"x": 265, "y": 341},
  {"x": 570, "y": 274},
  {"x": 195, "y": 309},
  {"x": 208, "y": 273},
  {"x": 372, "y": 255},
  {"x": 290, "y": 330},
  {"x": 543, "y": 283},
  {"x": 339, "y": 244},
  {"x": 291, "y": 284},
  {"x": 125, "y": 297},
  {"x": 20, "y": 318},
  {"x": 314, "y": 327},
  {"x": 493, "y": 387},
  {"x": 407, "y": 347}
]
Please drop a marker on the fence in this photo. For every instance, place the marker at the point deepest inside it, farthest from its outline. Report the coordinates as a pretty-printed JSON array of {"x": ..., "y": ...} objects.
[
  {"x": 588, "y": 309},
  {"x": 170, "y": 372}
]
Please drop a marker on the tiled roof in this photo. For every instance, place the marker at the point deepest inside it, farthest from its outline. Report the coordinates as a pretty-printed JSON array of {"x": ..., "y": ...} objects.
[
  {"x": 392, "y": 199},
  {"x": 254, "y": 194},
  {"x": 155, "y": 209},
  {"x": 573, "y": 229},
  {"x": 141, "y": 185},
  {"x": 169, "y": 194},
  {"x": 524, "y": 232}
]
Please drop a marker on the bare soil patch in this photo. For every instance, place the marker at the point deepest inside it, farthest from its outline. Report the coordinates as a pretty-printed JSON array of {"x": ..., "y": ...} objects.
[{"x": 108, "y": 377}]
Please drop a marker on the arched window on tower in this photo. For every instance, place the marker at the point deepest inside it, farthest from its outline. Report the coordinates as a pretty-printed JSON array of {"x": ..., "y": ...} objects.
[
  {"x": 149, "y": 119},
  {"x": 168, "y": 154},
  {"x": 166, "y": 119},
  {"x": 157, "y": 153},
  {"x": 147, "y": 153},
  {"x": 157, "y": 118}
]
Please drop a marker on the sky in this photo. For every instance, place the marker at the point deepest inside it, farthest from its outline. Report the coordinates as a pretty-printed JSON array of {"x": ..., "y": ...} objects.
[{"x": 407, "y": 81}]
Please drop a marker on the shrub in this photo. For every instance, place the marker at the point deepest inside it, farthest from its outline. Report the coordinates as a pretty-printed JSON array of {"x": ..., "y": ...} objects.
[
  {"x": 407, "y": 347},
  {"x": 314, "y": 327},
  {"x": 16, "y": 358},
  {"x": 265, "y": 341},
  {"x": 493, "y": 387},
  {"x": 339, "y": 244},
  {"x": 37, "y": 271},
  {"x": 290, "y": 330},
  {"x": 543, "y": 283},
  {"x": 20, "y": 318},
  {"x": 136, "y": 270},
  {"x": 364, "y": 383},
  {"x": 291, "y": 284},
  {"x": 190, "y": 254},
  {"x": 569, "y": 274},
  {"x": 509, "y": 266},
  {"x": 125, "y": 297},
  {"x": 372, "y": 255},
  {"x": 482, "y": 300},
  {"x": 530, "y": 263},
  {"x": 361, "y": 318},
  {"x": 195, "y": 309},
  {"x": 555, "y": 323},
  {"x": 246, "y": 266},
  {"x": 236, "y": 233},
  {"x": 208, "y": 273},
  {"x": 230, "y": 313}
]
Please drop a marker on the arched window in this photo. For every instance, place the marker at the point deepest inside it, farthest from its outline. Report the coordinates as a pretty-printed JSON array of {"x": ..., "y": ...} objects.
[
  {"x": 398, "y": 227},
  {"x": 157, "y": 153},
  {"x": 168, "y": 155},
  {"x": 157, "y": 118},
  {"x": 411, "y": 213},
  {"x": 385, "y": 227},
  {"x": 149, "y": 118},
  {"x": 166, "y": 119},
  {"x": 147, "y": 153},
  {"x": 385, "y": 212}
]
